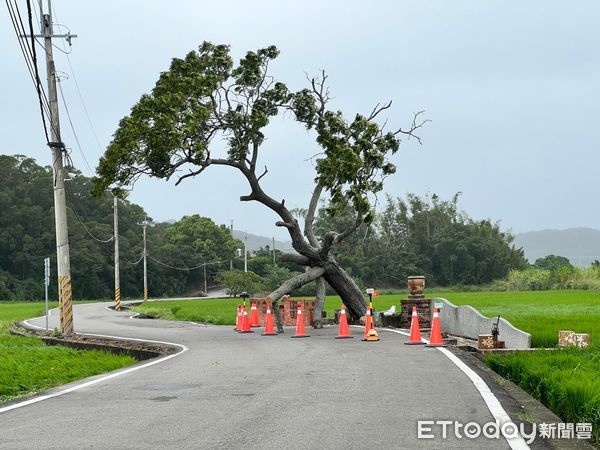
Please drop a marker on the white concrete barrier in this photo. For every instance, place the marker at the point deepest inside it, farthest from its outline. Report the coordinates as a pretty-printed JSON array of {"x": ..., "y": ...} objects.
[{"x": 465, "y": 321}]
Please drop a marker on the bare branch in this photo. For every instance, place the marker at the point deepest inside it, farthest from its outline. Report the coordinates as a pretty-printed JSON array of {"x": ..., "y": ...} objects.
[
  {"x": 378, "y": 109},
  {"x": 295, "y": 258},
  {"x": 332, "y": 237},
  {"x": 357, "y": 223},
  {"x": 208, "y": 162},
  {"x": 311, "y": 274},
  {"x": 310, "y": 215},
  {"x": 287, "y": 225},
  {"x": 417, "y": 123},
  {"x": 254, "y": 155},
  {"x": 263, "y": 174}
]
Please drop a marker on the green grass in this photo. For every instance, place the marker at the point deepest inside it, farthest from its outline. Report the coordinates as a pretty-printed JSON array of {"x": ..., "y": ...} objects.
[
  {"x": 28, "y": 366},
  {"x": 566, "y": 381}
]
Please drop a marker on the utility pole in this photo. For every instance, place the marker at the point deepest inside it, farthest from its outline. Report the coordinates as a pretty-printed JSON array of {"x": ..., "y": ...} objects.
[
  {"x": 231, "y": 260},
  {"x": 205, "y": 288},
  {"x": 145, "y": 225},
  {"x": 273, "y": 250},
  {"x": 246, "y": 253},
  {"x": 116, "y": 238},
  {"x": 65, "y": 293}
]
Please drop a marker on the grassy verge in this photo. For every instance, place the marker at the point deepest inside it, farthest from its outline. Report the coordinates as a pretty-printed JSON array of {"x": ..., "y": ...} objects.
[{"x": 28, "y": 366}]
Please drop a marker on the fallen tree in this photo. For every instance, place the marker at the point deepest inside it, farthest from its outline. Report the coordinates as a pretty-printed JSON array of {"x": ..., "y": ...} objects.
[{"x": 205, "y": 98}]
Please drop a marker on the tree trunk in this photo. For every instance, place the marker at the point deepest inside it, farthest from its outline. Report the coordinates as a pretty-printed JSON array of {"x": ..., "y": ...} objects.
[
  {"x": 346, "y": 288},
  {"x": 318, "y": 311}
]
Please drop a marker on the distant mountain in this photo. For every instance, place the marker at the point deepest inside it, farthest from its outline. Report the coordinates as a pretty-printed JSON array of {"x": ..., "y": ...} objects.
[
  {"x": 580, "y": 245},
  {"x": 255, "y": 242}
]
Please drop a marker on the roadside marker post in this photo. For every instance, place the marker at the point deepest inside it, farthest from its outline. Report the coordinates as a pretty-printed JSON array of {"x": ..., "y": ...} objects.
[{"x": 371, "y": 335}]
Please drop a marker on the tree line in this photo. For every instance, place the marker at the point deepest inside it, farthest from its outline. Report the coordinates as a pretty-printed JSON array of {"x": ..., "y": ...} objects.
[{"x": 416, "y": 235}]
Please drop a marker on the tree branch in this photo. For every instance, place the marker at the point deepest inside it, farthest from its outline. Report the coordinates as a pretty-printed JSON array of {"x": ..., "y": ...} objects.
[
  {"x": 310, "y": 215},
  {"x": 280, "y": 223},
  {"x": 296, "y": 259},
  {"x": 208, "y": 162},
  {"x": 417, "y": 123},
  {"x": 378, "y": 109},
  {"x": 294, "y": 283},
  {"x": 288, "y": 220},
  {"x": 332, "y": 237}
]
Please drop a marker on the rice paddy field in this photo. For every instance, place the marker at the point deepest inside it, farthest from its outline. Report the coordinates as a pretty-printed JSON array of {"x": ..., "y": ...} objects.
[
  {"x": 567, "y": 381},
  {"x": 28, "y": 366}
]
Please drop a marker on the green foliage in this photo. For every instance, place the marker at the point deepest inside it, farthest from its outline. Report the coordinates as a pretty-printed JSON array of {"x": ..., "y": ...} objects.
[
  {"x": 237, "y": 281},
  {"x": 559, "y": 277},
  {"x": 205, "y": 96},
  {"x": 553, "y": 262},
  {"x": 27, "y": 237},
  {"x": 28, "y": 366},
  {"x": 422, "y": 236}
]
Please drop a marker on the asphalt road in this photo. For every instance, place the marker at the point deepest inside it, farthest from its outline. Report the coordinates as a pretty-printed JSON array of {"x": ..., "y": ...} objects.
[{"x": 232, "y": 391}]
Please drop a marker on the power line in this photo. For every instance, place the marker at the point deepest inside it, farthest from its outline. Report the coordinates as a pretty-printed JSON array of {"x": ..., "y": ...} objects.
[
  {"x": 186, "y": 269},
  {"x": 87, "y": 114},
  {"x": 30, "y": 57},
  {"x": 134, "y": 263},
  {"x": 62, "y": 95},
  {"x": 86, "y": 229}
]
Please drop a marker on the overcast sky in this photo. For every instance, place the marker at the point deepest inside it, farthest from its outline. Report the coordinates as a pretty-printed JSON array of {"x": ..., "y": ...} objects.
[{"x": 511, "y": 87}]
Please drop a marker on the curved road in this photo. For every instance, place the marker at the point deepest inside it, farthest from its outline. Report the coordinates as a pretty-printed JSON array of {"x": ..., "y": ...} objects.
[{"x": 231, "y": 391}]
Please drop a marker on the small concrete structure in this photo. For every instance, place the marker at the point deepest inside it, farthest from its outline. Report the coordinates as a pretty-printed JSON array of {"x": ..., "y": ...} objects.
[
  {"x": 572, "y": 339},
  {"x": 466, "y": 321}
]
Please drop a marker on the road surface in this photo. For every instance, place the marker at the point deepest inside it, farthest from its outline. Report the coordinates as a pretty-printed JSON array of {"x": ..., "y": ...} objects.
[{"x": 248, "y": 391}]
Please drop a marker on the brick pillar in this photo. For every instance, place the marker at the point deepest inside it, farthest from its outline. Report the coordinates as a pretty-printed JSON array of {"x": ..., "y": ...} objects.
[{"x": 423, "y": 310}]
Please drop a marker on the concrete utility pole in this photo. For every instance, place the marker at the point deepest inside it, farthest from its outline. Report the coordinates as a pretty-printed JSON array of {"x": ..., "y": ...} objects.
[
  {"x": 231, "y": 260},
  {"x": 246, "y": 253},
  {"x": 205, "y": 288},
  {"x": 273, "y": 250},
  {"x": 145, "y": 224},
  {"x": 116, "y": 238},
  {"x": 65, "y": 296}
]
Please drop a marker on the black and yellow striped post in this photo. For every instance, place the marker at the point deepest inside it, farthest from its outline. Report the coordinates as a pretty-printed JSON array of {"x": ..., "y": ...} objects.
[
  {"x": 372, "y": 334},
  {"x": 145, "y": 294},
  {"x": 118, "y": 299},
  {"x": 65, "y": 296}
]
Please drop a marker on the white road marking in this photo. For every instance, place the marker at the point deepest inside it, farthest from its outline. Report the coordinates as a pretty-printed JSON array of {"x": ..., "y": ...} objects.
[
  {"x": 101, "y": 379},
  {"x": 492, "y": 402}
]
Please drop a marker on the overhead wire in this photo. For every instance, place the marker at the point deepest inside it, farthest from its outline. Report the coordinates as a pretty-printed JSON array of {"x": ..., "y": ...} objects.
[
  {"x": 103, "y": 241},
  {"x": 187, "y": 269},
  {"x": 62, "y": 95},
  {"x": 30, "y": 57}
]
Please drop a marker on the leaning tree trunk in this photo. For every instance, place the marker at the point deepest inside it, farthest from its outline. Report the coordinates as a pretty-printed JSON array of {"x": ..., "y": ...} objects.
[
  {"x": 346, "y": 288},
  {"x": 320, "y": 301}
]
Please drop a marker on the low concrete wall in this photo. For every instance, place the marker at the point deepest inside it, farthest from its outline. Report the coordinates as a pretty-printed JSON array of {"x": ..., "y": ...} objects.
[{"x": 466, "y": 321}]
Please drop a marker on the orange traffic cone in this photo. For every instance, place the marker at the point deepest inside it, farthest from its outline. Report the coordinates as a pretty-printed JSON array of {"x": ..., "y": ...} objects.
[
  {"x": 415, "y": 330},
  {"x": 435, "y": 338},
  {"x": 269, "y": 328},
  {"x": 300, "y": 331},
  {"x": 254, "y": 315},
  {"x": 245, "y": 322},
  {"x": 368, "y": 323},
  {"x": 344, "y": 332},
  {"x": 238, "y": 324}
]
